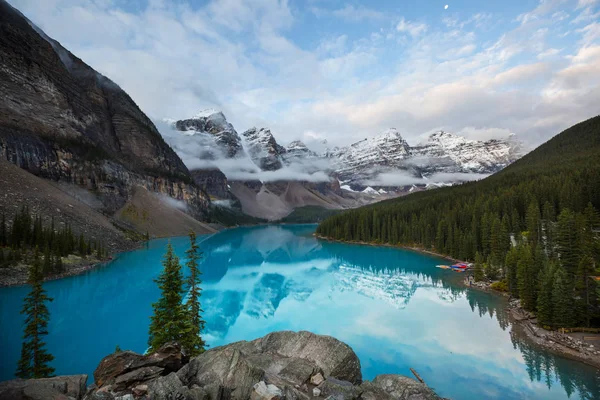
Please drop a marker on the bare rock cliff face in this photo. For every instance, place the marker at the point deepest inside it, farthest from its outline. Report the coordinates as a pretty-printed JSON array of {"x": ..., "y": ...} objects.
[{"x": 62, "y": 120}]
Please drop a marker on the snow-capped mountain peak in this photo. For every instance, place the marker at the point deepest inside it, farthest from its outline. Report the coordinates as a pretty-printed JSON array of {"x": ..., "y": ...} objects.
[
  {"x": 263, "y": 148},
  {"x": 448, "y": 140},
  {"x": 388, "y": 149},
  {"x": 215, "y": 124},
  {"x": 208, "y": 113}
]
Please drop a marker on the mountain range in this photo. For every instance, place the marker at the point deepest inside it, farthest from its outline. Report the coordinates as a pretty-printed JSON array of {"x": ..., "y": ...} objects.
[
  {"x": 254, "y": 164},
  {"x": 69, "y": 125}
]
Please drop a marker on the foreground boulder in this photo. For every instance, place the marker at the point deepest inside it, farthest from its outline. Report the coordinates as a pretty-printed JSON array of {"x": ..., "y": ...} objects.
[
  {"x": 58, "y": 388},
  {"x": 126, "y": 367},
  {"x": 278, "y": 366}
]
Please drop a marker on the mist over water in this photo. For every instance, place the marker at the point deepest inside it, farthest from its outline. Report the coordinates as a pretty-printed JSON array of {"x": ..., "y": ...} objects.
[{"x": 393, "y": 307}]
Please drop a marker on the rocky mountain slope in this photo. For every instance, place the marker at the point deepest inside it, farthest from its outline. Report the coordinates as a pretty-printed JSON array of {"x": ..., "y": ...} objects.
[
  {"x": 443, "y": 152},
  {"x": 62, "y": 120},
  {"x": 213, "y": 123},
  {"x": 280, "y": 365},
  {"x": 271, "y": 180},
  {"x": 263, "y": 149}
]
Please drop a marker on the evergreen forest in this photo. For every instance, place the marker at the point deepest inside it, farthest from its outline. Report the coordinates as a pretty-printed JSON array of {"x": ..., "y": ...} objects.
[
  {"x": 534, "y": 226},
  {"x": 26, "y": 234}
]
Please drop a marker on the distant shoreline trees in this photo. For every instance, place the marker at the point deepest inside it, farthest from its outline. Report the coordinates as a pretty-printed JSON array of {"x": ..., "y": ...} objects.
[
  {"x": 27, "y": 232},
  {"x": 535, "y": 225}
]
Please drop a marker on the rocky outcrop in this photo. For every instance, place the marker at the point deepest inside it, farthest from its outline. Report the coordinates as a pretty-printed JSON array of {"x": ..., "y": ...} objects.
[
  {"x": 446, "y": 152},
  {"x": 212, "y": 181},
  {"x": 281, "y": 365},
  {"x": 358, "y": 160},
  {"x": 442, "y": 152},
  {"x": 62, "y": 120},
  {"x": 215, "y": 124},
  {"x": 57, "y": 388},
  {"x": 263, "y": 149}
]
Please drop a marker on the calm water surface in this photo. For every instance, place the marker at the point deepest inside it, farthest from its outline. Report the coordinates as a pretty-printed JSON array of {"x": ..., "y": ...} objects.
[{"x": 393, "y": 307}]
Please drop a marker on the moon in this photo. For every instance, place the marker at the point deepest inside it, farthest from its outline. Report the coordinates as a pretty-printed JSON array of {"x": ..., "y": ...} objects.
[{"x": 446, "y": 7}]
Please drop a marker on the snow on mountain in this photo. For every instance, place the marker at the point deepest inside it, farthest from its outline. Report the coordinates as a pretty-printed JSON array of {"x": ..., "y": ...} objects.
[
  {"x": 298, "y": 152},
  {"x": 264, "y": 149},
  {"x": 388, "y": 150},
  {"x": 370, "y": 190},
  {"x": 365, "y": 166},
  {"x": 459, "y": 154},
  {"x": 213, "y": 123},
  {"x": 442, "y": 153}
]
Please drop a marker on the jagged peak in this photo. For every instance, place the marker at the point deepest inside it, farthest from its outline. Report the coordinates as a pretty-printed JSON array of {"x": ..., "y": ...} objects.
[
  {"x": 259, "y": 132},
  {"x": 391, "y": 132},
  {"x": 207, "y": 113},
  {"x": 296, "y": 144}
]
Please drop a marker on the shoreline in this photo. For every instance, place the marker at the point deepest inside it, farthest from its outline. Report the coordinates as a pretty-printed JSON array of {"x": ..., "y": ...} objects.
[
  {"x": 417, "y": 249},
  {"x": 553, "y": 341},
  {"x": 12, "y": 281},
  {"x": 20, "y": 272}
]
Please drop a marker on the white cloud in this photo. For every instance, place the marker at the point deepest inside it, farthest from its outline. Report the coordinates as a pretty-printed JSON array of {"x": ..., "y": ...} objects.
[
  {"x": 412, "y": 28},
  {"x": 521, "y": 74},
  {"x": 405, "y": 178},
  {"x": 586, "y": 3},
  {"x": 549, "y": 53},
  {"x": 244, "y": 58},
  {"x": 351, "y": 13}
]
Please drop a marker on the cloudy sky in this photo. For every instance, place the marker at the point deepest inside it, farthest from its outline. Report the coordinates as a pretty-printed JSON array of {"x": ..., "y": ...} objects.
[{"x": 314, "y": 69}]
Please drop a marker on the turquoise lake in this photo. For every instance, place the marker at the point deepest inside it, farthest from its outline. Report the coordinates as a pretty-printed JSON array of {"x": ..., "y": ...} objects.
[{"x": 392, "y": 306}]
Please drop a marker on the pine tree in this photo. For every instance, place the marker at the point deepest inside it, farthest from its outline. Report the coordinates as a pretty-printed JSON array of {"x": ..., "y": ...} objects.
[
  {"x": 478, "y": 271},
  {"x": 491, "y": 270},
  {"x": 3, "y": 232},
  {"x": 193, "y": 342},
  {"x": 47, "y": 267},
  {"x": 168, "y": 323},
  {"x": 561, "y": 300},
  {"x": 533, "y": 219},
  {"x": 527, "y": 278},
  {"x": 568, "y": 240},
  {"x": 511, "y": 261},
  {"x": 34, "y": 357},
  {"x": 544, "y": 300}
]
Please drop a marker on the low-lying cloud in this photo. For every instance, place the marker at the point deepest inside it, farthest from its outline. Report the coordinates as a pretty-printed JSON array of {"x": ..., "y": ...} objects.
[
  {"x": 405, "y": 178},
  {"x": 200, "y": 151}
]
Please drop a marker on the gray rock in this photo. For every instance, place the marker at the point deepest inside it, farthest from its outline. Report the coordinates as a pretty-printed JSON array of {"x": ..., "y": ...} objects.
[
  {"x": 371, "y": 392},
  {"x": 171, "y": 387},
  {"x": 127, "y": 396},
  {"x": 137, "y": 376},
  {"x": 403, "y": 388},
  {"x": 263, "y": 391},
  {"x": 59, "y": 387},
  {"x": 170, "y": 358},
  {"x": 227, "y": 367},
  {"x": 339, "y": 390},
  {"x": 281, "y": 365},
  {"x": 317, "y": 379},
  {"x": 333, "y": 357},
  {"x": 284, "y": 359}
]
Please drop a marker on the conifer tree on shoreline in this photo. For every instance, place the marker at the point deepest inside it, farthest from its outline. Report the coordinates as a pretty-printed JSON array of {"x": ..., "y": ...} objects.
[
  {"x": 169, "y": 320},
  {"x": 193, "y": 342},
  {"x": 34, "y": 357}
]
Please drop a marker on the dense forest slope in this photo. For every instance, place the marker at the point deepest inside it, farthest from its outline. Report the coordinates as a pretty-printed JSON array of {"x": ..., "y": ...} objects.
[{"x": 534, "y": 225}]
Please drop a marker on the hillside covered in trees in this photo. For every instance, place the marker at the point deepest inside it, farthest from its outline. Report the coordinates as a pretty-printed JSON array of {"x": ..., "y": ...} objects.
[
  {"x": 26, "y": 237},
  {"x": 535, "y": 226}
]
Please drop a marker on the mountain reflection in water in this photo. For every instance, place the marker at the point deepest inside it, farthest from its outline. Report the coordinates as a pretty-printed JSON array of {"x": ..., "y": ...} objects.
[{"x": 393, "y": 307}]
